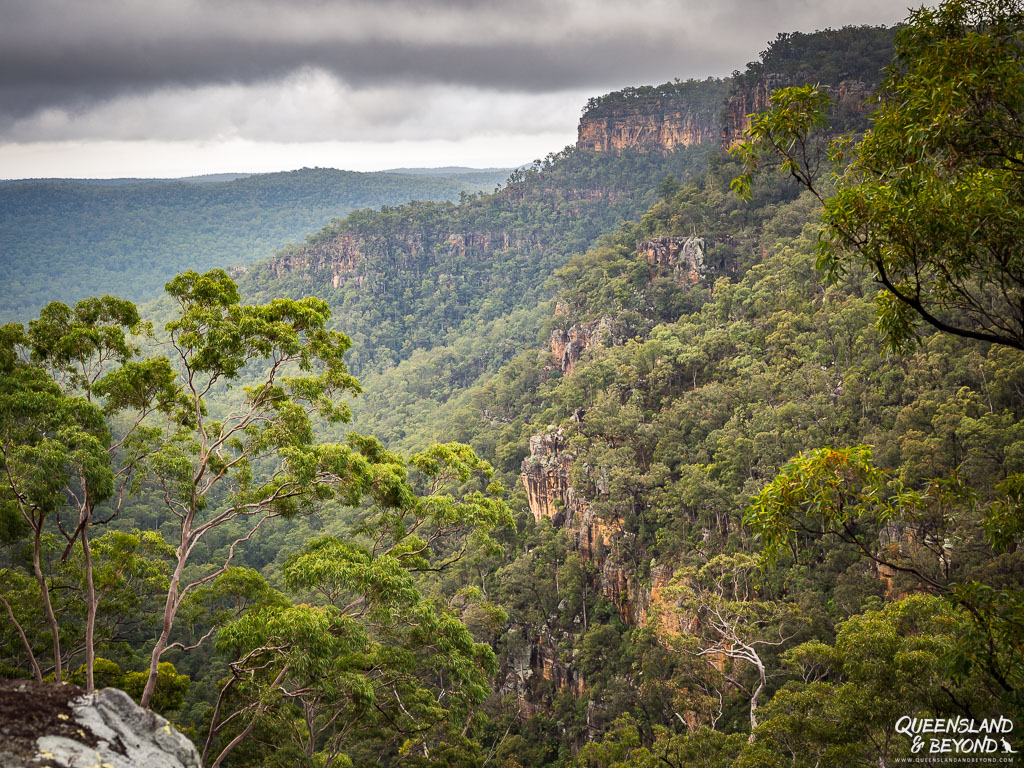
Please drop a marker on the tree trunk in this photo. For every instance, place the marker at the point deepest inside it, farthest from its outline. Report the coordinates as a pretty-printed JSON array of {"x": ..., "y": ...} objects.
[
  {"x": 36, "y": 672},
  {"x": 58, "y": 672},
  {"x": 252, "y": 723},
  {"x": 90, "y": 619},
  {"x": 753, "y": 701},
  {"x": 170, "y": 611}
]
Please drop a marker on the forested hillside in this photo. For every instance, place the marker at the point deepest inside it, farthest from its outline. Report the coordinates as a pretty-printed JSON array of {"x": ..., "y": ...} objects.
[
  {"x": 63, "y": 240},
  {"x": 676, "y": 460},
  {"x": 435, "y": 296}
]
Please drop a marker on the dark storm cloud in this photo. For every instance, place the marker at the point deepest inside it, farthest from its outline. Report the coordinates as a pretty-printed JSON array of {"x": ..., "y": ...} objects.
[
  {"x": 32, "y": 78},
  {"x": 64, "y": 60}
]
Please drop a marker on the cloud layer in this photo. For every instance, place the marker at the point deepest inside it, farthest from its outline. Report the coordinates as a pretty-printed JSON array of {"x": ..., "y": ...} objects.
[{"x": 380, "y": 70}]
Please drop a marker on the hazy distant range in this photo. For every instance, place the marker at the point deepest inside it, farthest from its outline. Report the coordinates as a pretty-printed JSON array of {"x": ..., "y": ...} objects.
[{"x": 65, "y": 239}]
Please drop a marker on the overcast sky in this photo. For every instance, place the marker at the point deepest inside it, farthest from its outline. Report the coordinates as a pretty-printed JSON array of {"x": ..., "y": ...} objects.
[{"x": 106, "y": 88}]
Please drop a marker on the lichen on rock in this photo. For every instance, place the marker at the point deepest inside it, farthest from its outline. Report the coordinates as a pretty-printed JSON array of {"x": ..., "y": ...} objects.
[{"x": 60, "y": 726}]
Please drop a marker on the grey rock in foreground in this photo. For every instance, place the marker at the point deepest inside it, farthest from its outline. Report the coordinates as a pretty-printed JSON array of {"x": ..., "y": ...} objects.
[{"x": 46, "y": 724}]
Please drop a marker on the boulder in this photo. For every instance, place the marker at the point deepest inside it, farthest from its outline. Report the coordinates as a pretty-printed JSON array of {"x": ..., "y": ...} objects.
[{"x": 60, "y": 726}]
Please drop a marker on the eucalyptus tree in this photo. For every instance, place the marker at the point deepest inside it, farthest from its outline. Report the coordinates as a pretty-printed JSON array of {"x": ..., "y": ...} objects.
[
  {"x": 65, "y": 380},
  {"x": 291, "y": 373},
  {"x": 723, "y": 617},
  {"x": 371, "y": 661}
]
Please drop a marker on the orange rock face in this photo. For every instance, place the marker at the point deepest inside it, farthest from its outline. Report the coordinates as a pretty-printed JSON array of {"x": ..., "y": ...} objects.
[
  {"x": 568, "y": 345},
  {"x": 850, "y": 96},
  {"x": 340, "y": 256},
  {"x": 546, "y": 477},
  {"x": 681, "y": 258},
  {"x": 647, "y": 125}
]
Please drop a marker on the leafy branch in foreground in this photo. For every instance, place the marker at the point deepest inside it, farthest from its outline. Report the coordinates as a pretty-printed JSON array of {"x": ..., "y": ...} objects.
[
  {"x": 204, "y": 470},
  {"x": 65, "y": 380},
  {"x": 931, "y": 199}
]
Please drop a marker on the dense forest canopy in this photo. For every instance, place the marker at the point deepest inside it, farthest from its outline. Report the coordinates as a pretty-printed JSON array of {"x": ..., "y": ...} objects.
[
  {"x": 137, "y": 234},
  {"x": 650, "y": 484}
]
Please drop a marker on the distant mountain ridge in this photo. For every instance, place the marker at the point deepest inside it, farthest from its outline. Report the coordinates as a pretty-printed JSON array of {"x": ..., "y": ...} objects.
[
  {"x": 67, "y": 239},
  {"x": 206, "y": 178}
]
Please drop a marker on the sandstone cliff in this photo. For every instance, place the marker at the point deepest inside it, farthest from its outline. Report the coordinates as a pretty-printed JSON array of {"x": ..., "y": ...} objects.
[
  {"x": 653, "y": 119},
  {"x": 650, "y": 126},
  {"x": 546, "y": 477},
  {"x": 850, "y": 105},
  {"x": 340, "y": 258},
  {"x": 569, "y": 344},
  {"x": 681, "y": 258}
]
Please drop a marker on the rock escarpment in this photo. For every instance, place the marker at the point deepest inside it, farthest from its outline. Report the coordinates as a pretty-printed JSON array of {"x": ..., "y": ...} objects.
[
  {"x": 60, "y": 726},
  {"x": 547, "y": 476},
  {"x": 602, "y": 541},
  {"x": 850, "y": 105},
  {"x": 650, "y": 126},
  {"x": 341, "y": 258},
  {"x": 657, "y": 119},
  {"x": 569, "y": 344},
  {"x": 681, "y": 258}
]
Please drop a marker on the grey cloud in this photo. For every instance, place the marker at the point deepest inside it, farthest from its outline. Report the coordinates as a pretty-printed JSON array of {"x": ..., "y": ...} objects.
[
  {"x": 308, "y": 106},
  {"x": 32, "y": 80},
  {"x": 80, "y": 58}
]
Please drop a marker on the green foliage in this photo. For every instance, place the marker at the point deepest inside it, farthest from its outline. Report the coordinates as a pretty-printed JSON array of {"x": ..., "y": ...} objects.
[
  {"x": 68, "y": 239},
  {"x": 905, "y": 660},
  {"x": 829, "y": 57},
  {"x": 437, "y": 297},
  {"x": 820, "y": 492},
  {"x": 170, "y": 690},
  {"x": 374, "y": 608},
  {"x": 930, "y": 202},
  {"x": 372, "y": 665},
  {"x": 695, "y": 96},
  {"x": 676, "y": 422}
]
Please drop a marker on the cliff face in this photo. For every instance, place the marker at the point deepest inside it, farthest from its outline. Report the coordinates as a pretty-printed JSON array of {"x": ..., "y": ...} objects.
[
  {"x": 569, "y": 344},
  {"x": 546, "y": 477},
  {"x": 681, "y": 258},
  {"x": 547, "y": 473},
  {"x": 662, "y": 121},
  {"x": 658, "y": 119},
  {"x": 849, "y": 99},
  {"x": 340, "y": 258},
  {"x": 654, "y": 125}
]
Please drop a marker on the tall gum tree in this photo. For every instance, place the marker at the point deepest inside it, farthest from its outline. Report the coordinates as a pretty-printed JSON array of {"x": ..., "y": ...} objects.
[
  {"x": 293, "y": 373},
  {"x": 73, "y": 372}
]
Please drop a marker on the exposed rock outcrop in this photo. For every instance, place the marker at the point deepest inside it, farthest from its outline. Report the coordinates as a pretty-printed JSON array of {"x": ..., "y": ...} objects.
[
  {"x": 569, "y": 344},
  {"x": 372, "y": 260},
  {"x": 654, "y": 119},
  {"x": 849, "y": 98},
  {"x": 649, "y": 125},
  {"x": 681, "y": 258},
  {"x": 48, "y": 724},
  {"x": 340, "y": 256},
  {"x": 546, "y": 477}
]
